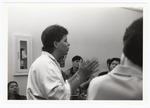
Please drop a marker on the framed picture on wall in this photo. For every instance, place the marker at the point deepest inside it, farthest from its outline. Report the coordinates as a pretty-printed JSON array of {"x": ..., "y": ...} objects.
[{"x": 22, "y": 53}]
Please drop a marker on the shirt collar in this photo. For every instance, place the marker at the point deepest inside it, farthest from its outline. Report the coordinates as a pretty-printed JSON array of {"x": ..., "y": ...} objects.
[
  {"x": 48, "y": 54},
  {"x": 51, "y": 56},
  {"x": 127, "y": 71}
]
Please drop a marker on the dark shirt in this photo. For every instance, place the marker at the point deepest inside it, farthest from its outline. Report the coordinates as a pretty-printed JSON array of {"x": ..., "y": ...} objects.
[
  {"x": 64, "y": 75},
  {"x": 103, "y": 73},
  {"x": 68, "y": 74},
  {"x": 18, "y": 97}
]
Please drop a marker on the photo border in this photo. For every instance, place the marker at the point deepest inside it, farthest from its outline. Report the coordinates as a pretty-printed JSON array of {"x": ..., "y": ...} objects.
[{"x": 65, "y": 103}]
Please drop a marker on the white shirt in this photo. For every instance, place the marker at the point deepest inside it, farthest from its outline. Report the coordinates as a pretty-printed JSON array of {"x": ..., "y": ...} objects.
[
  {"x": 122, "y": 83},
  {"x": 45, "y": 80}
]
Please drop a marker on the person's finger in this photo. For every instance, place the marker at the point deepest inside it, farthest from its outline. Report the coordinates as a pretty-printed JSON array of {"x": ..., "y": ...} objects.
[
  {"x": 96, "y": 70},
  {"x": 95, "y": 66},
  {"x": 87, "y": 62},
  {"x": 82, "y": 63},
  {"x": 92, "y": 64}
]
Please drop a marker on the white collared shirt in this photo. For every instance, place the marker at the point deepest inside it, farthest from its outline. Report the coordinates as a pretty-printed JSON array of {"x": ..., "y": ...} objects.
[
  {"x": 45, "y": 80},
  {"x": 122, "y": 83}
]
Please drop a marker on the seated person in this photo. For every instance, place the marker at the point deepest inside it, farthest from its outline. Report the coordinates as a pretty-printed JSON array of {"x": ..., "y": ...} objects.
[
  {"x": 75, "y": 66},
  {"x": 81, "y": 92},
  {"x": 76, "y": 60},
  {"x": 111, "y": 64},
  {"x": 83, "y": 88},
  {"x": 13, "y": 91}
]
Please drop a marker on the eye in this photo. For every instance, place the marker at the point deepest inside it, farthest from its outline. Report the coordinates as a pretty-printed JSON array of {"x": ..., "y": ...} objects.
[{"x": 12, "y": 86}]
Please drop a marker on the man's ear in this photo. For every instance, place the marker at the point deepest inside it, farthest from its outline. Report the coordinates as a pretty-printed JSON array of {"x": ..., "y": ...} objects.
[{"x": 55, "y": 44}]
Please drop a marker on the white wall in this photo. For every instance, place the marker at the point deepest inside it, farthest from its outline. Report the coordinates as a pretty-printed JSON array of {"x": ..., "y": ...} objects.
[{"x": 93, "y": 31}]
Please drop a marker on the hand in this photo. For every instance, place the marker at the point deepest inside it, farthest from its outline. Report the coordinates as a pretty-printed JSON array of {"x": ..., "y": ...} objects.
[
  {"x": 82, "y": 96},
  {"x": 86, "y": 69}
]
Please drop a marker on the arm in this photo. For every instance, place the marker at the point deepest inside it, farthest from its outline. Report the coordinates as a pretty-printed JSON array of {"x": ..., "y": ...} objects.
[
  {"x": 87, "y": 82},
  {"x": 84, "y": 72}
]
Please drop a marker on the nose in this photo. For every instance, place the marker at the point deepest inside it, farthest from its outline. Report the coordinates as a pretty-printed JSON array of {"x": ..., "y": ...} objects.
[
  {"x": 68, "y": 44},
  {"x": 15, "y": 87},
  {"x": 114, "y": 65}
]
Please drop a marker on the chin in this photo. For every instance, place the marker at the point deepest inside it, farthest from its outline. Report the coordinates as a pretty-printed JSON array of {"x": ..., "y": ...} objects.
[{"x": 66, "y": 53}]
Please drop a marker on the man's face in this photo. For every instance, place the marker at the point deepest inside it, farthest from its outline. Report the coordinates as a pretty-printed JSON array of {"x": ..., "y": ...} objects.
[
  {"x": 114, "y": 64},
  {"x": 76, "y": 63},
  {"x": 13, "y": 88},
  {"x": 63, "y": 46}
]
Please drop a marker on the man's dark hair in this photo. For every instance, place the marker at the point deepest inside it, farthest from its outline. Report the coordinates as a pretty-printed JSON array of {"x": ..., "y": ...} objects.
[
  {"x": 51, "y": 34},
  {"x": 133, "y": 42},
  {"x": 77, "y": 58}
]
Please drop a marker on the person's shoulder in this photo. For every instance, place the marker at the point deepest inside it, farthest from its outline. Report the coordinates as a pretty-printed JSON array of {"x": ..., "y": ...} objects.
[
  {"x": 20, "y": 97},
  {"x": 44, "y": 61},
  {"x": 98, "y": 79},
  {"x": 100, "y": 82},
  {"x": 96, "y": 87},
  {"x": 40, "y": 60}
]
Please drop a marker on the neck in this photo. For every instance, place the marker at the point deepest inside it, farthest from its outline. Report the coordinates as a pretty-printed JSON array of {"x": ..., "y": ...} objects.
[
  {"x": 129, "y": 63},
  {"x": 56, "y": 56},
  {"x": 55, "y": 53},
  {"x": 75, "y": 69}
]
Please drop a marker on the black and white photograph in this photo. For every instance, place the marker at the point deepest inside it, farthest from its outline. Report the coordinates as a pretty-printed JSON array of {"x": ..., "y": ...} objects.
[{"x": 81, "y": 53}]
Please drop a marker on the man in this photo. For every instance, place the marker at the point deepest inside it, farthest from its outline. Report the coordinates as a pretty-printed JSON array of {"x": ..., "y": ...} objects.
[
  {"x": 76, "y": 60},
  {"x": 124, "y": 82},
  {"x": 111, "y": 63},
  {"x": 45, "y": 80}
]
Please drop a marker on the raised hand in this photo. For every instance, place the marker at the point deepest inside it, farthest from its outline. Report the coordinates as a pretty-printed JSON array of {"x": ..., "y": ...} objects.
[{"x": 87, "y": 68}]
